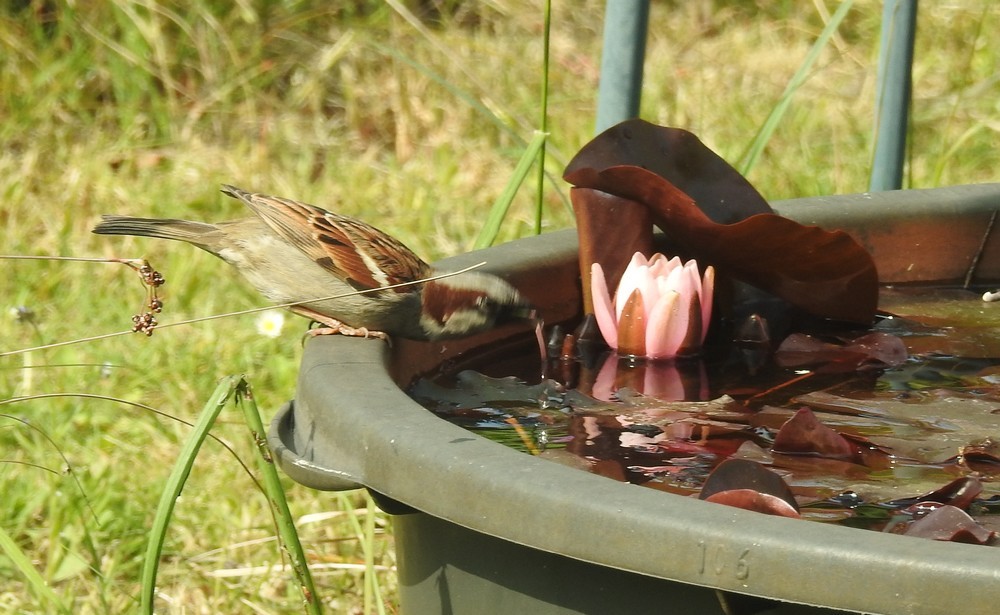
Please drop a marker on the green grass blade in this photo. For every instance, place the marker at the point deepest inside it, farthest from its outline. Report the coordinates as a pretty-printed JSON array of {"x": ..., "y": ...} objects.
[
  {"x": 442, "y": 48},
  {"x": 502, "y": 121},
  {"x": 497, "y": 117},
  {"x": 366, "y": 538},
  {"x": 373, "y": 593},
  {"x": 949, "y": 147},
  {"x": 543, "y": 125},
  {"x": 276, "y": 498},
  {"x": 499, "y": 210},
  {"x": 175, "y": 484},
  {"x": 756, "y": 148},
  {"x": 38, "y": 585}
]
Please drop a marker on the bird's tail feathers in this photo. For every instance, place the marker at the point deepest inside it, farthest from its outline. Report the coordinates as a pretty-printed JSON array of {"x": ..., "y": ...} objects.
[
  {"x": 236, "y": 193},
  {"x": 180, "y": 230}
]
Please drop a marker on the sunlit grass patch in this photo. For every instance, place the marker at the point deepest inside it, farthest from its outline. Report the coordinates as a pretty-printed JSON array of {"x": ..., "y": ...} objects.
[{"x": 142, "y": 109}]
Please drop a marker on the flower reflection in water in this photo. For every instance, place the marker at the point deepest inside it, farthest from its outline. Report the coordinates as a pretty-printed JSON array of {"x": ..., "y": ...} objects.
[{"x": 664, "y": 380}]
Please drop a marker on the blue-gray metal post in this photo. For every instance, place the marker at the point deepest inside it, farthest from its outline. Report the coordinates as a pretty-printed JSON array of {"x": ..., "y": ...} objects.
[
  {"x": 892, "y": 102},
  {"x": 625, "y": 25}
]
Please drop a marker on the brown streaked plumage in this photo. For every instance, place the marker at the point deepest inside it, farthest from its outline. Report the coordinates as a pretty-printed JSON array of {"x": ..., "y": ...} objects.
[{"x": 293, "y": 252}]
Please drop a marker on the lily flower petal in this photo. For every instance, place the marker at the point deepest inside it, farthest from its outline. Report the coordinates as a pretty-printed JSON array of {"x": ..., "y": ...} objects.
[
  {"x": 607, "y": 321},
  {"x": 667, "y": 326},
  {"x": 650, "y": 289},
  {"x": 632, "y": 326},
  {"x": 660, "y": 266},
  {"x": 632, "y": 277},
  {"x": 692, "y": 341},
  {"x": 707, "y": 296},
  {"x": 681, "y": 280}
]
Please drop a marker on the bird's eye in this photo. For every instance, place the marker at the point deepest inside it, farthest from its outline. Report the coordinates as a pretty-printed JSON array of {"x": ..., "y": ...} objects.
[{"x": 487, "y": 305}]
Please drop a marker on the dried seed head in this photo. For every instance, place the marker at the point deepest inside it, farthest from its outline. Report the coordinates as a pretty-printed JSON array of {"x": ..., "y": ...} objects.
[
  {"x": 150, "y": 276},
  {"x": 144, "y": 323}
]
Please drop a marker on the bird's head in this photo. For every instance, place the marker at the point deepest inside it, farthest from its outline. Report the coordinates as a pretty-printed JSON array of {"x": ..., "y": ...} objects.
[{"x": 469, "y": 303}]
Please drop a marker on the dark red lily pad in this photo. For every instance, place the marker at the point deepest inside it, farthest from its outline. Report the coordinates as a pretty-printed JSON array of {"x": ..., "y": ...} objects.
[
  {"x": 748, "y": 499},
  {"x": 868, "y": 453},
  {"x": 805, "y": 434},
  {"x": 596, "y": 213},
  {"x": 951, "y": 524},
  {"x": 744, "y": 475},
  {"x": 826, "y": 273},
  {"x": 844, "y": 454},
  {"x": 771, "y": 417},
  {"x": 982, "y": 457},
  {"x": 958, "y": 493},
  {"x": 677, "y": 156},
  {"x": 813, "y": 466},
  {"x": 870, "y": 351},
  {"x": 828, "y": 402}
]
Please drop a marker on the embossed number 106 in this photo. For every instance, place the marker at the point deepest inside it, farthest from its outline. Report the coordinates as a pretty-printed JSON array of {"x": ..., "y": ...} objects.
[{"x": 720, "y": 560}]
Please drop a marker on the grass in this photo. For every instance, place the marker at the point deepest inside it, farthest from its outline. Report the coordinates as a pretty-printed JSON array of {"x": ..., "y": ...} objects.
[{"x": 133, "y": 107}]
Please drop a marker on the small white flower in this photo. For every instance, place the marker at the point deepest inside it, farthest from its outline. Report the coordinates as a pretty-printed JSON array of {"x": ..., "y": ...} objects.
[
  {"x": 269, "y": 323},
  {"x": 22, "y": 313}
]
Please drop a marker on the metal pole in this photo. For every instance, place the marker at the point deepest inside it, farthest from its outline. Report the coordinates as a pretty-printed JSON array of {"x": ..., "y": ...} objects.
[
  {"x": 892, "y": 103},
  {"x": 625, "y": 26}
]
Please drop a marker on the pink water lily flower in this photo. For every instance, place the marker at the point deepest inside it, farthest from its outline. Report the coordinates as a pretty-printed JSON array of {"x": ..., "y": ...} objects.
[{"x": 661, "y": 309}]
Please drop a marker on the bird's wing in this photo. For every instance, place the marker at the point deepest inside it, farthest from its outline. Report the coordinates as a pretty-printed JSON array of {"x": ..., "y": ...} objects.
[{"x": 350, "y": 249}]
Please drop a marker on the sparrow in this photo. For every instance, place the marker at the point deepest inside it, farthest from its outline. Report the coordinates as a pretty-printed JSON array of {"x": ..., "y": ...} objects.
[{"x": 300, "y": 254}]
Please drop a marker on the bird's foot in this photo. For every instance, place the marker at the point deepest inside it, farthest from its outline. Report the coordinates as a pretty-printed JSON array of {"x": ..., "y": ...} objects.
[{"x": 334, "y": 327}]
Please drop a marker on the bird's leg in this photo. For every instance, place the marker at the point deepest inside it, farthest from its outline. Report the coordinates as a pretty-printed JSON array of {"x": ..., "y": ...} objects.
[{"x": 332, "y": 326}]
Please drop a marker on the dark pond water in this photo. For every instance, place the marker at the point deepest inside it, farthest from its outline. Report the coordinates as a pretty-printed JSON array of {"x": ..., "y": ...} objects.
[{"x": 921, "y": 424}]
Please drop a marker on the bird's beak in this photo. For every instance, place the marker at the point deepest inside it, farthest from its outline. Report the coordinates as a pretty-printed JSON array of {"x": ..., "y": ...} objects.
[{"x": 519, "y": 312}]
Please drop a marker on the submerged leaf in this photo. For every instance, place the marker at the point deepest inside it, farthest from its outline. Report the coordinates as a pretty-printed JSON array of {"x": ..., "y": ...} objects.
[
  {"x": 958, "y": 493},
  {"x": 873, "y": 350},
  {"x": 952, "y": 524},
  {"x": 803, "y": 433},
  {"x": 743, "y": 474},
  {"x": 981, "y": 457}
]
